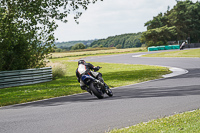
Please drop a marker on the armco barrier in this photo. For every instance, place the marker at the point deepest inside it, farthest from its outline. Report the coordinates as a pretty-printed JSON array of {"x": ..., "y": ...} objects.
[
  {"x": 196, "y": 45},
  {"x": 161, "y": 47},
  {"x": 152, "y": 48},
  {"x": 176, "y": 46},
  {"x": 25, "y": 77},
  {"x": 168, "y": 47},
  {"x": 192, "y": 45}
]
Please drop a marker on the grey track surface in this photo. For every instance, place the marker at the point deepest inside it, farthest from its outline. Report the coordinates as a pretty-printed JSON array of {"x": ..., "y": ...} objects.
[{"x": 130, "y": 105}]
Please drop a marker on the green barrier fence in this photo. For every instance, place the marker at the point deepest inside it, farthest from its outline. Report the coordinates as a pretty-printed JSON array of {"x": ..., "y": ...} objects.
[
  {"x": 25, "y": 77},
  {"x": 168, "y": 47},
  {"x": 152, "y": 48}
]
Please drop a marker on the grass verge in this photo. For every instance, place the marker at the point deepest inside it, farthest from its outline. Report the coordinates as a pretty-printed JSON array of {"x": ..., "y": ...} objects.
[
  {"x": 120, "y": 75},
  {"x": 181, "y": 53},
  {"x": 184, "y": 122},
  {"x": 98, "y": 52},
  {"x": 188, "y": 122}
]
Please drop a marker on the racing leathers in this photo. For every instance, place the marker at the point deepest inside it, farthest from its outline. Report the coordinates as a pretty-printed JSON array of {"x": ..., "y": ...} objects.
[{"x": 84, "y": 69}]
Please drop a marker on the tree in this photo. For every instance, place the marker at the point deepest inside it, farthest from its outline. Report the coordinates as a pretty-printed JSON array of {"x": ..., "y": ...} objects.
[
  {"x": 27, "y": 29},
  {"x": 125, "y": 40},
  {"x": 178, "y": 23},
  {"x": 95, "y": 46},
  {"x": 78, "y": 46},
  {"x": 158, "y": 21},
  {"x": 158, "y": 36},
  {"x": 119, "y": 46}
]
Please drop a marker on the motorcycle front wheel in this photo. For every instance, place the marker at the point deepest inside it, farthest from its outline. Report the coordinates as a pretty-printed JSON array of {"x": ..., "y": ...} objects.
[
  {"x": 96, "y": 90},
  {"x": 108, "y": 91}
]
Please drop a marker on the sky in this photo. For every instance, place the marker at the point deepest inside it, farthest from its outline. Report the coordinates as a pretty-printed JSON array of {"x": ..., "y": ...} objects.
[{"x": 111, "y": 17}]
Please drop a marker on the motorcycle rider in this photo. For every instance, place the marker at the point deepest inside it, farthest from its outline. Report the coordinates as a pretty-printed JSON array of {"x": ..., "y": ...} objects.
[
  {"x": 85, "y": 69},
  {"x": 182, "y": 46}
]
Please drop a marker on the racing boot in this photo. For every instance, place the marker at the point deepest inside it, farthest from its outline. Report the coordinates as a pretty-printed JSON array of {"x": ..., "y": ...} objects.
[{"x": 87, "y": 89}]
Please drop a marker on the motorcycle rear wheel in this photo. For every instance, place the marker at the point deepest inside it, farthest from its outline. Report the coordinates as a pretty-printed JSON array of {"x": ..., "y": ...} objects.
[{"x": 96, "y": 91}]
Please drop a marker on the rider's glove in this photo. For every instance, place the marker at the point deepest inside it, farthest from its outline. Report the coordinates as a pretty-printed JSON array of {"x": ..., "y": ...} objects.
[{"x": 96, "y": 68}]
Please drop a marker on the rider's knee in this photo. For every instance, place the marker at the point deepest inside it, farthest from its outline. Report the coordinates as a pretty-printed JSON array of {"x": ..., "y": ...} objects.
[{"x": 84, "y": 87}]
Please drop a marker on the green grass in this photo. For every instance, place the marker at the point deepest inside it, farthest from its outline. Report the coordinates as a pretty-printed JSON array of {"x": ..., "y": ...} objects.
[
  {"x": 188, "y": 122},
  {"x": 97, "y": 52},
  {"x": 180, "y": 53},
  {"x": 120, "y": 75}
]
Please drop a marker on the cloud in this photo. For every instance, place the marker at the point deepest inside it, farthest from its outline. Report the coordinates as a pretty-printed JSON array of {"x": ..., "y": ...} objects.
[{"x": 112, "y": 17}]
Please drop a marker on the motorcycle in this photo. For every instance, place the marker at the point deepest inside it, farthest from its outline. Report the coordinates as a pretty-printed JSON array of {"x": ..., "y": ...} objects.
[
  {"x": 182, "y": 46},
  {"x": 97, "y": 87}
]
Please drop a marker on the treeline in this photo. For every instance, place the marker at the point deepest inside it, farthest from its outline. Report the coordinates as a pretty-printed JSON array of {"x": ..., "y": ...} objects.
[
  {"x": 66, "y": 45},
  {"x": 130, "y": 40},
  {"x": 119, "y": 41},
  {"x": 180, "y": 23},
  {"x": 74, "y": 47}
]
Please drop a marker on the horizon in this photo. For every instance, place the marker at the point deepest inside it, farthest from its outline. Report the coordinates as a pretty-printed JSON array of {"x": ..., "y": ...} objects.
[
  {"x": 95, "y": 38},
  {"x": 110, "y": 18}
]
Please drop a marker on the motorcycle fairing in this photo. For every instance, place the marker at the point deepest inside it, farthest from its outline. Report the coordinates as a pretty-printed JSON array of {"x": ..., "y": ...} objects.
[{"x": 87, "y": 78}]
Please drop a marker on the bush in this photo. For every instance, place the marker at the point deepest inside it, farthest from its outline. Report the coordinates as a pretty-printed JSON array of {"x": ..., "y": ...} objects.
[
  {"x": 58, "y": 50},
  {"x": 58, "y": 70},
  {"x": 78, "y": 46},
  {"x": 95, "y": 46},
  {"x": 119, "y": 46}
]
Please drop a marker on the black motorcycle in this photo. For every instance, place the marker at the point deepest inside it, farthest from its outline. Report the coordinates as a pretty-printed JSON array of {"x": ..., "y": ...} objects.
[{"x": 97, "y": 87}]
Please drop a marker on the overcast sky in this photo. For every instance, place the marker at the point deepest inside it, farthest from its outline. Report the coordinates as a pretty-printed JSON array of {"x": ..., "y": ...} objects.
[{"x": 112, "y": 17}]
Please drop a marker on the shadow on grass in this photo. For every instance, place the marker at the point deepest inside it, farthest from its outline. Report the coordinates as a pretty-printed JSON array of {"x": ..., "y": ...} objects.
[
  {"x": 132, "y": 92},
  {"x": 69, "y": 85}
]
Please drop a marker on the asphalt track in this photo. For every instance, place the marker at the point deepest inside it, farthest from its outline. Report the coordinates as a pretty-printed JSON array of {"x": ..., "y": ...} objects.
[{"x": 130, "y": 105}]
